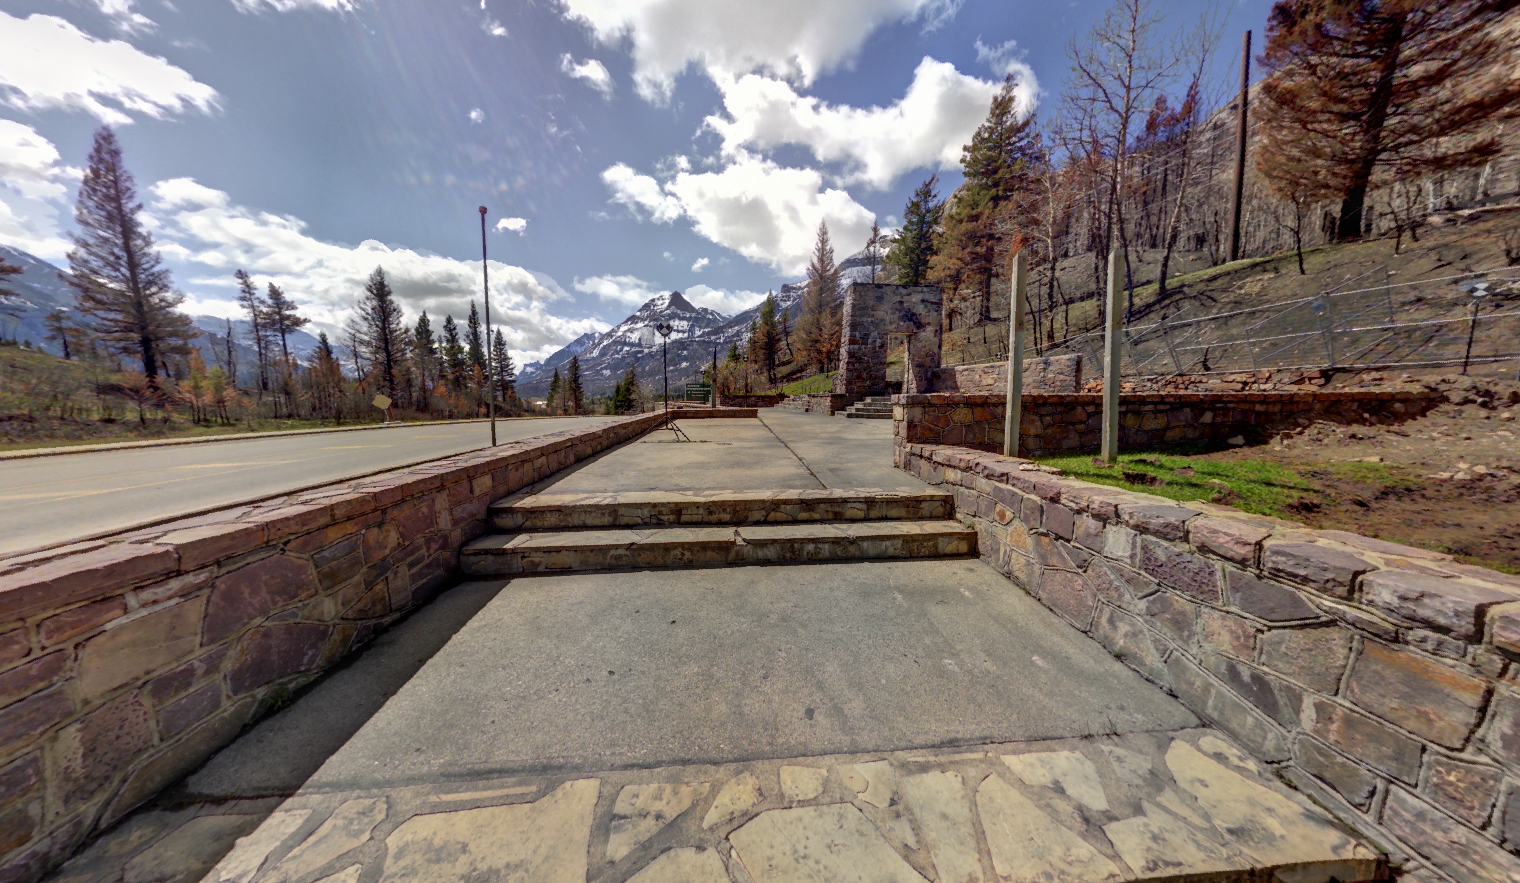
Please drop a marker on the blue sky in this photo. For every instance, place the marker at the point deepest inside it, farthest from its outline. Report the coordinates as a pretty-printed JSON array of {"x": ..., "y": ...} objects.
[{"x": 628, "y": 147}]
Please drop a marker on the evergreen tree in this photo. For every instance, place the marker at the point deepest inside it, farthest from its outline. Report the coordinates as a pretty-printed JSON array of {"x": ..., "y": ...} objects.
[
  {"x": 425, "y": 351},
  {"x": 59, "y": 330},
  {"x": 765, "y": 338},
  {"x": 474, "y": 341},
  {"x": 506, "y": 372},
  {"x": 554, "y": 404},
  {"x": 123, "y": 288},
  {"x": 733, "y": 353},
  {"x": 453, "y": 354},
  {"x": 980, "y": 227},
  {"x": 325, "y": 381},
  {"x": 377, "y": 328},
  {"x": 818, "y": 326},
  {"x": 283, "y": 318},
  {"x": 913, "y": 246},
  {"x": 874, "y": 247},
  {"x": 8, "y": 296},
  {"x": 1403, "y": 86},
  {"x": 258, "y": 333},
  {"x": 575, "y": 392}
]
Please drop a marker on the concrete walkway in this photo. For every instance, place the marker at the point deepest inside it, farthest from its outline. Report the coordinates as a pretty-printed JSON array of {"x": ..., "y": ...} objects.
[{"x": 887, "y": 721}]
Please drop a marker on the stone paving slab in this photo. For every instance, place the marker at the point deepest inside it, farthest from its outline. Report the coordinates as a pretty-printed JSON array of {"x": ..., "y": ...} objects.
[
  {"x": 1151, "y": 806},
  {"x": 562, "y": 511},
  {"x": 699, "y": 546}
]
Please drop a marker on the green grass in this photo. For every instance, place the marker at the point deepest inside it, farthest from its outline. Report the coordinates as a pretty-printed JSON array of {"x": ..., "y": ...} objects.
[
  {"x": 815, "y": 384},
  {"x": 1250, "y": 485}
]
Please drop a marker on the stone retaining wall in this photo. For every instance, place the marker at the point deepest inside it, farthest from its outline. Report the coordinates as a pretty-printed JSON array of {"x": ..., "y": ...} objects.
[
  {"x": 1379, "y": 678},
  {"x": 1057, "y": 424},
  {"x": 818, "y": 402},
  {"x": 1046, "y": 374},
  {"x": 125, "y": 663},
  {"x": 751, "y": 401}
]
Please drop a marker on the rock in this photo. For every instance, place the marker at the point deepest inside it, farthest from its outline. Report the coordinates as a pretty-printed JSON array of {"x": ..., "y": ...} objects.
[
  {"x": 734, "y": 800},
  {"x": 1027, "y": 846},
  {"x": 1236, "y": 440},
  {"x": 189, "y": 850},
  {"x": 641, "y": 810},
  {"x": 938, "y": 801},
  {"x": 873, "y": 781},
  {"x": 1160, "y": 844},
  {"x": 544, "y": 841},
  {"x": 1065, "y": 772},
  {"x": 801, "y": 783},
  {"x": 239, "y": 865},
  {"x": 687, "y": 865},
  {"x": 834, "y": 842},
  {"x": 347, "y": 828}
]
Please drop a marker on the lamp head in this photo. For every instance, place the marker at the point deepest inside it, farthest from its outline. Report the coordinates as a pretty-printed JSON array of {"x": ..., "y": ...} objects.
[
  {"x": 664, "y": 328},
  {"x": 482, "y": 209}
]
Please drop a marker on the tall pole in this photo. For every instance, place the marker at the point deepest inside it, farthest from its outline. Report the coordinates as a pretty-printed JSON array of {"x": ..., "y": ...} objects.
[
  {"x": 1113, "y": 360},
  {"x": 665, "y": 370},
  {"x": 485, "y": 277},
  {"x": 1242, "y": 125},
  {"x": 1013, "y": 409},
  {"x": 714, "y": 390}
]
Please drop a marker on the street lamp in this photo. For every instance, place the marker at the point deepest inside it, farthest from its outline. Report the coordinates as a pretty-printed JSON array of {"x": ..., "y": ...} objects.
[
  {"x": 664, "y": 329},
  {"x": 485, "y": 277}
]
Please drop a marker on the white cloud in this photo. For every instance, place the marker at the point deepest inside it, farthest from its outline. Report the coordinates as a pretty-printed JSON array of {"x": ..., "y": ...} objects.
[
  {"x": 726, "y": 302},
  {"x": 291, "y": 5},
  {"x": 1007, "y": 59},
  {"x": 926, "y": 127},
  {"x": 126, "y": 18},
  {"x": 512, "y": 225},
  {"x": 669, "y": 256},
  {"x": 641, "y": 193},
  {"x": 477, "y": 115},
  {"x": 630, "y": 291},
  {"x": 493, "y": 27},
  {"x": 107, "y": 78},
  {"x": 33, "y": 191},
  {"x": 200, "y": 228},
  {"x": 699, "y": 265},
  {"x": 794, "y": 39},
  {"x": 592, "y": 71}
]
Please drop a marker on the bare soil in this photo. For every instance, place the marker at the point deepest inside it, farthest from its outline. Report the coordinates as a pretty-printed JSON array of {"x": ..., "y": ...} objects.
[{"x": 1448, "y": 481}]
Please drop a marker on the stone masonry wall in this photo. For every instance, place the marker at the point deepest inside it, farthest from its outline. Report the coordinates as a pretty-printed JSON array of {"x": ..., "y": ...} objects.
[
  {"x": 1045, "y": 374},
  {"x": 125, "y": 663},
  {"x": 1381, "y": 679},
  {"x": 872, "y": 313},
  {"x": 818, "y": 402},
  {"x": 1057, "y": 424},
  {"x": 750, "y": 401}
]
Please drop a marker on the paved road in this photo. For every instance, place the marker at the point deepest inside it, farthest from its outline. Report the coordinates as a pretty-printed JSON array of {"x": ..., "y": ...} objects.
[{"x": 50, "y": 500}]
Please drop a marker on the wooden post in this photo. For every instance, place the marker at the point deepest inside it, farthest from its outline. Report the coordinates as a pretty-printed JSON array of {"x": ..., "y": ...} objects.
[
  {"x": 1242, "y": 124},
  {"x": 1113, "y": 359},
  {"x": 1017, "y": 309}
]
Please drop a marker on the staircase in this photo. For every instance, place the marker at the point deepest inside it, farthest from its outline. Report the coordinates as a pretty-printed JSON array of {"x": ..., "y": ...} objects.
[
  {"x": 869, "y": 408},
  {"x": 545, "y": 533}
]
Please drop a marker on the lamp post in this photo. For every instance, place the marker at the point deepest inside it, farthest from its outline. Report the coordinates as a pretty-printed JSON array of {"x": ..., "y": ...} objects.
[
  {"x": 664, "y": 329},
  {"x": 485, "y": 277}
]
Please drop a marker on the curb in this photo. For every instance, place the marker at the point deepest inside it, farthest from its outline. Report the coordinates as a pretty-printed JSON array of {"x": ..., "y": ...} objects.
[{"x": 241, "y": 436}]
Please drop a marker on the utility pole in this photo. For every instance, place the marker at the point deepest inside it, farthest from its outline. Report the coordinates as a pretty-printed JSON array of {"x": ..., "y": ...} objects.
[
  {"x": 1242, "y": 125},
  {"x": 485, "y": 276},
  {"x": 1113, "y": 361},
  {"x": 1013, "y": 408}
]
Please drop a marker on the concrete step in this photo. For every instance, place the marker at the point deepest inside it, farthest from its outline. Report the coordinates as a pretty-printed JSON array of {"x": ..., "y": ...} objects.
[
  {"x": 868, "y": 415},
  {"x": 530, "y": 512},
  {"x": 564, "y": 551}
]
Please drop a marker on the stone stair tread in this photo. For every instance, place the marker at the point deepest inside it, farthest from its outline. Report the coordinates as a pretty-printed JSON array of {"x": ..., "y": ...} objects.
[
  {"x": 583, "y": 511},
  {"x": 750, "y": 533}
]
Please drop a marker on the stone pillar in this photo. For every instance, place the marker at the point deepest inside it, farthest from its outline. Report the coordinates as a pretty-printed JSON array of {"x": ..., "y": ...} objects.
[{"x": 873, "y": 312}]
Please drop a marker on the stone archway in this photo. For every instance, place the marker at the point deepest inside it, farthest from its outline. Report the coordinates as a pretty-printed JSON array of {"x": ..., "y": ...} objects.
[{"x": 872, "y": 312}]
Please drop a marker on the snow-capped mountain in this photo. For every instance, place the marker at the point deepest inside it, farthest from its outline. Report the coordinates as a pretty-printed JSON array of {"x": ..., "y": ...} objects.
[
  {"x": 637, "y": 332},
  {"x": 531, "y": 370}
]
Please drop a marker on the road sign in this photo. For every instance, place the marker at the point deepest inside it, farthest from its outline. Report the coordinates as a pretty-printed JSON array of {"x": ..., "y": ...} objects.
[
  {"x": 698, "y": 392},
  {"x": 382, "y": 402}
]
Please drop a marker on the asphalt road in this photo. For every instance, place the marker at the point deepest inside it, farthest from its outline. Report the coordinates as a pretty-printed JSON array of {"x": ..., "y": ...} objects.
[{"x": 50, "y": 500}]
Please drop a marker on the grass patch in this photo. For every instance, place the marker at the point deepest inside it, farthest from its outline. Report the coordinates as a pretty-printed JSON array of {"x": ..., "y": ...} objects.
[
  {"x": 817, "y": 383},
  {"x": 1250, "y": 485}
]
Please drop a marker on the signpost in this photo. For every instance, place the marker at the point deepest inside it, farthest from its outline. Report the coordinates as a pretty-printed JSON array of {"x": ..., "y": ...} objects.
[
  {"x": 1017, "y": 310},
  {"x": 383, "y": 402},
  {"x": 1113, "y": 360},
  {"x": 485, "y": 278}
]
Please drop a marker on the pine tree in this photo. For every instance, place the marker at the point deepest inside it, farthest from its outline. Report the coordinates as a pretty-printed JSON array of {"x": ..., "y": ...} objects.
[
  {"x": 474, "y": 341},
  {"x": 325, "y": 381},
  {"x": 379, "y": 332},
  {"x": 59, "y": 331},
  {"x": 258, "y": 314},
  {"x": 818, "y": 326},
  {"x": 1406, "y": 87},
  {"x": 767, "y": 337},
  {"x": 575, "y": 392},
  {"x": 453, "y": 354},
  {"x": 506, "y": 372},
  {"x": 555, "y": 404},
  {"x": 874, "y": 247},
  {"x": 998, "y": 165},
  {"x": 913, "y": 246},
  {"x": 123, "y": 288},
  {"x": 283, "y": 318},
  {"x": 8, "y": 295},
  {"x": 425, "y": 350}
]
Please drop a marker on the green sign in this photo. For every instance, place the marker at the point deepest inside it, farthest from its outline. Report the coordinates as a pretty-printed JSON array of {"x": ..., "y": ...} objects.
[{"x": 698, "y": 392}]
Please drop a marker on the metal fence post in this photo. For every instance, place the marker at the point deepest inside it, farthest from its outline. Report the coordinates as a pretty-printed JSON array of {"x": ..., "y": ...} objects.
[
  {"x": 1113, "y": 360},
  {"x": 1017, "y": 308}
]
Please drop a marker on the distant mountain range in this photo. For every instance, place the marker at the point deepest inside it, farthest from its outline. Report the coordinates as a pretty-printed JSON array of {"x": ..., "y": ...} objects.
[
  {"x": 40, "y": 290},
  {"x": 698, "y": 332}
]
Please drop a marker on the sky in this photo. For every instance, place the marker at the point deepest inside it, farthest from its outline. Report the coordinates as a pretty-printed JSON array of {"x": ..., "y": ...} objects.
[{"x": 622, "y": 148}]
